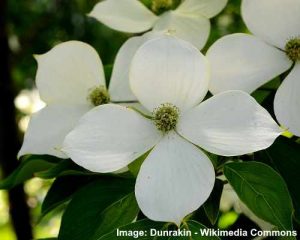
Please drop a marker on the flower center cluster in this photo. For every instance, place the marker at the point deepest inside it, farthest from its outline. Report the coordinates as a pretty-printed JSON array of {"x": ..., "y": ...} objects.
[
  {"x": 166, "y": 117},
  {"x": 292, "y": 49},
  {"x": 99, "y": 95},
  {"x": 160, "y": 6}
]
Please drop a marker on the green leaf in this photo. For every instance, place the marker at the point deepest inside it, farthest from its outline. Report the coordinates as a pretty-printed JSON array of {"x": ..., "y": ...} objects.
[
  {"x": 284, "y": 155},
  {"x": 61, "y": 191},
  {"x": 27, "y": 170},
  {"x": 86, "y": 211},
  {"x": 263, "y": 190},
  {"x": 260, "y": 95},
  {"x": 133, "y": 228},
  {"x": 68, "y": 168},
  {"x": 118, "y": 214},
  {"x": 63, "y": 168},
  {"x": 212, "y": 205}
]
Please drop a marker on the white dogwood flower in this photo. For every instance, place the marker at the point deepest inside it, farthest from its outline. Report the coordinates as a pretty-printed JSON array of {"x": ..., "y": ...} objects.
[
  {"x": 170, "y": 77},
  {"x": 70, "y": 79},
  {"x": 246, "y": 62},
  {"x": 189, "y": 20}
]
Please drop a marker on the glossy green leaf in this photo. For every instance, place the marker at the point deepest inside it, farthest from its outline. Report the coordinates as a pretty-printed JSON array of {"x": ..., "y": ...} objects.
[
  {"x": 63, "y": 168},
  {"x": 263, "y": 190},
  {"x": 261, "y": 95},
  {"x": 27, "y": 170},
  {"x": 61, "y": 191},
  {"x": 284, "y": 155},
  {"x": 68, "y": 168},
  {"x": 118, "y": 214},
  {"x": 86, "y": 211},
  {"x": 212, "y": 205}
]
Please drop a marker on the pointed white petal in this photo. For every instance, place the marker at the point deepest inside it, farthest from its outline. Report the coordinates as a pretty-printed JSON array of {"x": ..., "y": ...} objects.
[
  {"x": 175, "y": 180},
  {"x": 109, "y": 137},
  {"x": 287, "y": 101},
  {"x": 67, "y": 72},
  {"x": 48, "y": 128},
  {"x": 126, "y": 15},
  {"x": 119, "y": 88},
  {"x": 228, "y": 124},
  {"x": 206, "y": 8},
  {"x": 275, "y": 21},
  {"x": 194, "y": 29},
  {"x": 244, "y": 62},
  {"x": 169, "y": 70}
]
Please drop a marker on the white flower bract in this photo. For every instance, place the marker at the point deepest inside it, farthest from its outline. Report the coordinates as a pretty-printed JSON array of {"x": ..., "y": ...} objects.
[
  {"x": 246, "y": 62},
  {"x": 189, "y": 21},
  {"x": 65, "y": 77},
  {"x": 176, "y": 177}
]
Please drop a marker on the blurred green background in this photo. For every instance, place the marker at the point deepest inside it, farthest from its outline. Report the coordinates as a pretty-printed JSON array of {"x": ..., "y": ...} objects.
[{"x": 34, "y": 27}]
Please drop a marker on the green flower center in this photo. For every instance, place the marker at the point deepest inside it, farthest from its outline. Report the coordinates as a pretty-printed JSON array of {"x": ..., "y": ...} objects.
[
  {"x": 292, "y": 49},
  {"x": 99, "y": 95},
  {"x": 166, "y": 117},
  {"x": 161, "y": 6}
]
